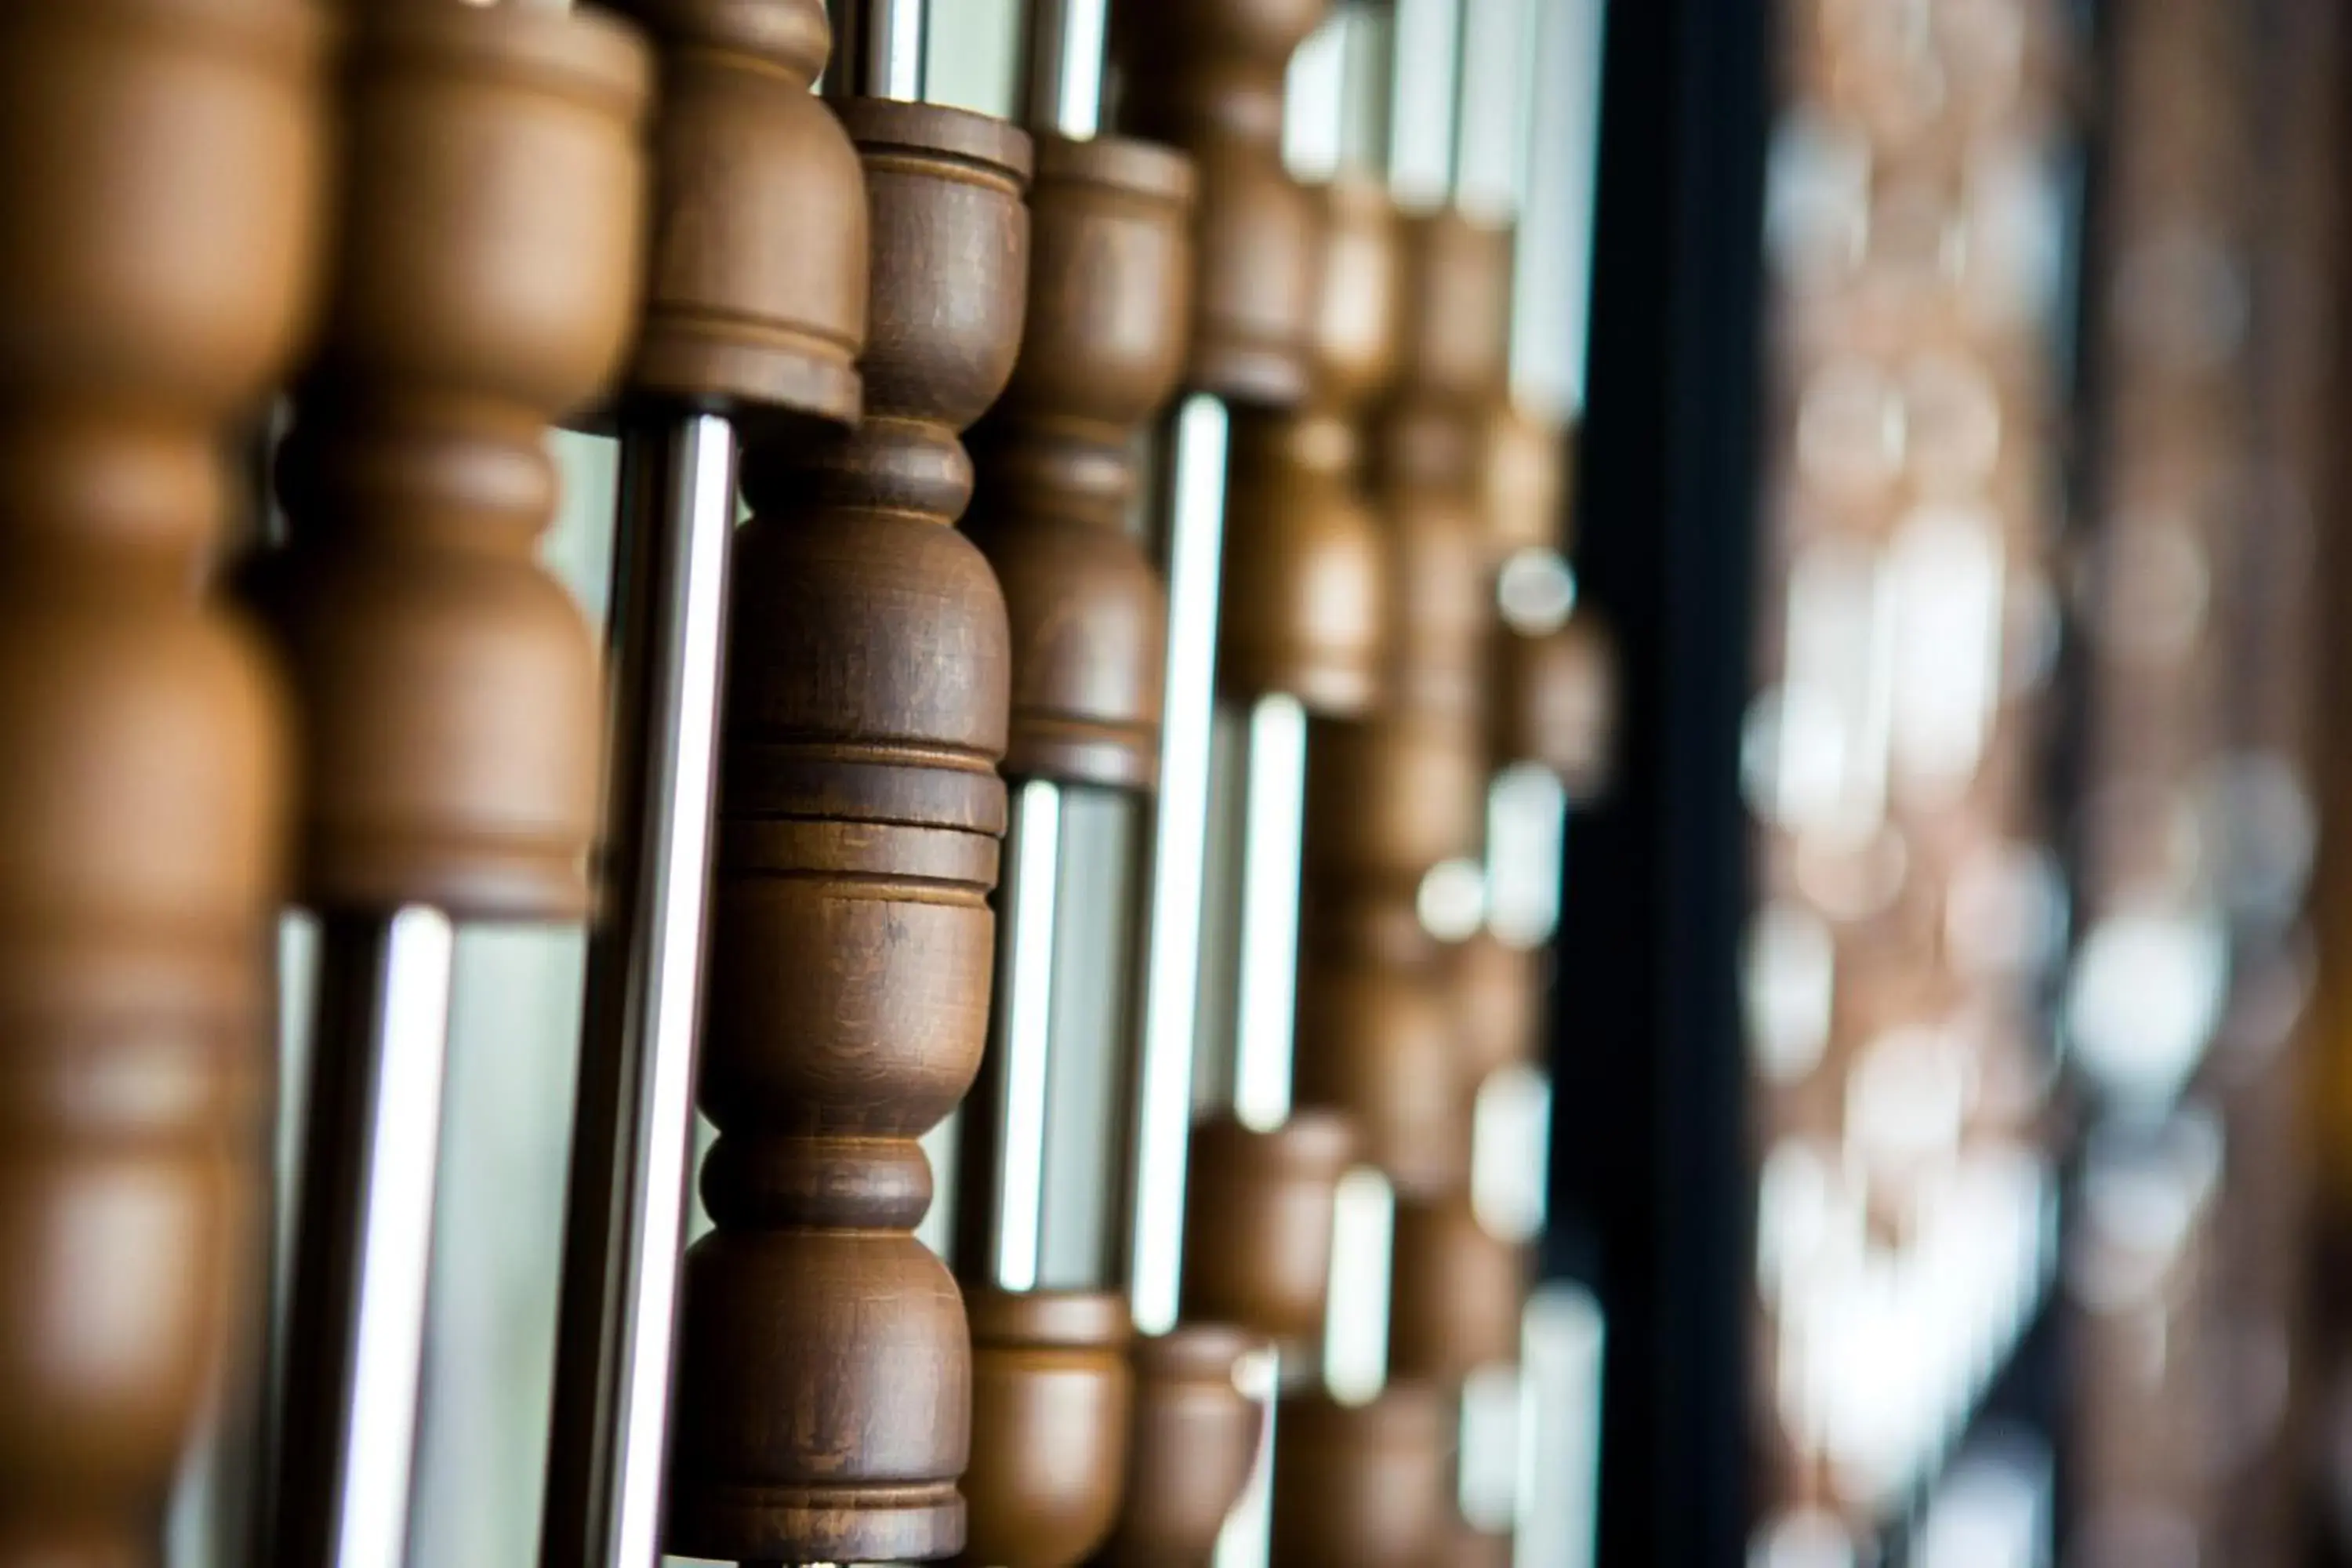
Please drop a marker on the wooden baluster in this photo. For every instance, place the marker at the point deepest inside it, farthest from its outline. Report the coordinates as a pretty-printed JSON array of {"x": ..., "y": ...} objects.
[
  {"x": 824, "y": 1387},
  {"x": 160, "y": 163},
  {"x": 1302, "y": 639},
  {"x": 449, "y": 687},
  {"x": 1109, "y": 292},
  {"x": 1303, "y": 596},
  {"x": 1396, "y": 802},
  {"x": 754, "y": 315},
  {"x": 1208, "y": 77}
]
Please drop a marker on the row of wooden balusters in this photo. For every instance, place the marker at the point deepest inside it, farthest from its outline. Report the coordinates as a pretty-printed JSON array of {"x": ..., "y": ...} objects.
[{"x": 445, "y": 226}]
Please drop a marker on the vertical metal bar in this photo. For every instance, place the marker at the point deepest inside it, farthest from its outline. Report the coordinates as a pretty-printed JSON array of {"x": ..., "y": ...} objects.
[
  {"x": 1422, "y": 100},
  {"x": 1062, "y": 63},
  {"x": 365, "y": 1247},
  {"x": 1002, "y": 1158},
  {"x": 633, "y": 1141},
  {"x": 1146, "y": 1235},
  {"x": 878, "y": 48},
  {"x": 1274, "y": 832}
]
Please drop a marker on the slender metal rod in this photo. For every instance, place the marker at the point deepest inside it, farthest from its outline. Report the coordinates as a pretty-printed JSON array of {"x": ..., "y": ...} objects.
[
  {"x": 1147, "y": 1232},
  {"x": 1062, "y": 71},
  {"x": 1002, "y": 1157},
  {"x": 1274, "y": 834},
  {"x": 364, "y": 1243},
  {"x": 878, "y": 48},
  {"x": 633, "y": 1140}
]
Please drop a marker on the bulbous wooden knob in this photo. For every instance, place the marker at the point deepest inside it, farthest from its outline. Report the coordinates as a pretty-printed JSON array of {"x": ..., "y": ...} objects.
[
  {"x": 1306, "y": 580},
  {"x": 846, "y": 1001},
  {"x": 450, "y": 687},
  {"x": 1363, "y": 1486},
  {"x": 1257, "y": 1222},
  {"x": 755, "y": 297},
  {"x": 1108, "y": 317},
  {"x": 1051, "y": 1405},
  {"x": 1207, "y": 75},
  {"x": 1194, "y": 1442},
  {"x": 1305, "y": 583},
  {"x": 1456, "y": 1292},
  {"x": 161, "y": 167}
]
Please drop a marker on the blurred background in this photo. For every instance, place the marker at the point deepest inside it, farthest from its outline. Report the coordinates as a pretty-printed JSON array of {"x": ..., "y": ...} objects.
[{"x": 1951, "y": 1096}]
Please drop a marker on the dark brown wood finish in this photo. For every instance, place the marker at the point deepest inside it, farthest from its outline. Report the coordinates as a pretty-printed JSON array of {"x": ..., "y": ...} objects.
[
  {"x": 1053, "y": 1398},
  {"x": 484, "y": 281},
  {"x": 1403, "y": 790},
  {"x": 825, "y": 1385},
  {"x": 754, "y": 306},
  {"x": 1190, "y": 1450},
  {"x": 1382, "y": 1035},
  {"x": 161, "y": 164},
  {"x": 1364, "y": 1486},
  {"x": 756, "y": 283},
  {"x": 1109, "y": 318},
  {"x": 483, "y": 284},
  {"x": 1305, "y": 597},
  {"x": 1207, "y": 75}
]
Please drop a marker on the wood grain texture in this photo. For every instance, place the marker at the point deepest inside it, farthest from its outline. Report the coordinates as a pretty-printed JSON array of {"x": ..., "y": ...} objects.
[
  {"x": 162, "y": 167},
  {"x": 1108, "y": 323},
  {"x": 484, "y": 281},
  {"x": 1193, "y": 1444},
  {"x": 1053, "y": 1399},
  {"x": 823, "y": 1394},
  {"x": 1207, "y": 75},
  {"x": 756, "y": 284},
  {"x": 1109, "y": 314}
]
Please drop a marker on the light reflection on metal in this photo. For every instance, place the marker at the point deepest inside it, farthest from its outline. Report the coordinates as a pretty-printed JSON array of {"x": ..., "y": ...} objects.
[
  {"x": 1064, "y": 62},
  {"x": 1422, "y": 100},
  {"x": 1149, "y": 1237},
  {"x": 364, "y": 1246},
  {"x": 1274, "y": 832},
  {"x": 878, "y": 48},
  {"x": 633, "y": 1146},
  {"x": 1023, "y": 1040},
  {"x": 1562, "y": 1336},
  {"x": 1356, "y": 1321}
]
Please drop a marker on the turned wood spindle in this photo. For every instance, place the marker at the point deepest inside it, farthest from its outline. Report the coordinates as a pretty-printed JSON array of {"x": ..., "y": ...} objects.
[
  {"x": 824, "y": 1388},
  {"x": 161, "y": 163},
  {"x": 483, "y": 283},
  {"x": 1207, "y": 75},
  {"x": 1302, "y": 638},
  {"x": 754, "y": 313},
  {"x": 1396, "y": 806},
  {"x": 1102, "y": 348}
]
